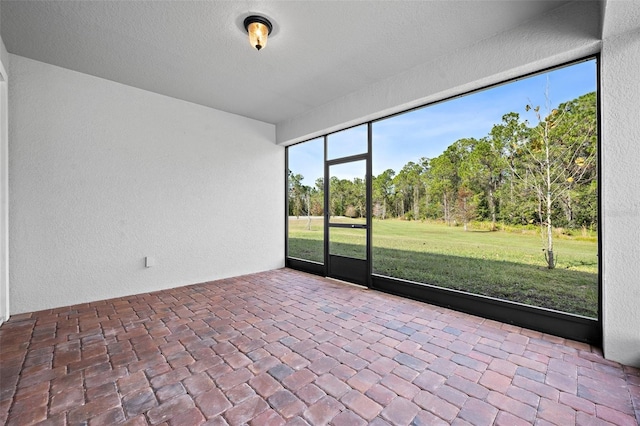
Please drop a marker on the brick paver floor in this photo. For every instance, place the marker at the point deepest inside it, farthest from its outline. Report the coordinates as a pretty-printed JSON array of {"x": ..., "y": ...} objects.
[{"x": 284, "y": 347}]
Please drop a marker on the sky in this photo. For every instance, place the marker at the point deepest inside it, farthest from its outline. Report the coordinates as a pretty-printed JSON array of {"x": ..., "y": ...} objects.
[{"x": 428, "y": 131}]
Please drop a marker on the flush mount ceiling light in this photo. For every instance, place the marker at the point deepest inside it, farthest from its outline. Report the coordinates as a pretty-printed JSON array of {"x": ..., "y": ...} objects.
[{"x": 259, "y": 29}]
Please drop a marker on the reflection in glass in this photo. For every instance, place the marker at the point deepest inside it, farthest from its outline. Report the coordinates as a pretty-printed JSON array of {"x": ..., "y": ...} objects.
[{"x": 306, "y": 200}]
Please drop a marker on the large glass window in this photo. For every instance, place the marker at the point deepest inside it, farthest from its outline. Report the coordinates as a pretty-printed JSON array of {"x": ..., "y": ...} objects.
[
  {"x": 306, "y": 200},
  {"x": 347, "y": 142},
  {"x": 495, "y": 193}
]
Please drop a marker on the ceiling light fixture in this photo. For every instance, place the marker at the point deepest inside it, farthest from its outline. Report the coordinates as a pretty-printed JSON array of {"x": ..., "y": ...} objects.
[{"x": 259, "y": 29}]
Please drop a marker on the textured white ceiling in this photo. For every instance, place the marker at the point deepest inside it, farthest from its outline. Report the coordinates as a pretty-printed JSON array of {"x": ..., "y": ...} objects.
[{"x": 197, "y": 51}]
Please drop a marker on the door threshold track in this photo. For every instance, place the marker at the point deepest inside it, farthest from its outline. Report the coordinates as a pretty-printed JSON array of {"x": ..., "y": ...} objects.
[{"x": 364, "y": 287}]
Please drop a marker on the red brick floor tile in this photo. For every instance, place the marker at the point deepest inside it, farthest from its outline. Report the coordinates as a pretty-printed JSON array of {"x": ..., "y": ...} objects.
[
  {"x": 323, "y": 411},
  {"x": 65, "y": 400},
  {"x": 381, "y": 394},
  {"x": 246, "y": 411},
  {"x": 295, "y": 361},
  {"x": 213, "y": 403},
  {"x": 111, "y": 417},
  {"x": 286, "y": 403},
  {"x": 478, "y": 412},
  {"x": 268, "y": 418},
  {"x": 540, "y": 389},
  {"x": 405, "y": 373},
  {"x": 342, "y": 371},
  {"x": 495, "y": 381},
  {"x": 170, "y": 409},
  {"x": 506, "y": 368},
  {"x": 263, "y": 364},
  {"x": 28, "y": 417},
  {"x": 429, "y": 381},
  {"x": 428, "y": 419},
  {"x": 451, "y": 395},
  {"x": 443, "y": 366},
  {"x": 468, "y": 373},
  {"x": 240, "y": 393},
  {"x": 283, "y": 347},
  {"x": 139, "y": 402},
  {"x": 298, "y": 379},
  {"x": 583, "y": 419},
  {"x": 556, "y": 413},
  {"x": 191, "y": 417},
  {"x": 400, "y": 386},
  {"x": 363, "y": 380},
  {"x": 265, "y": 385},
  {"x": 170, "y": 377},
  {"x": 561, "y": 382},
  {"x": 132, "y": 383},
  {"x": 512, "y": 406},
  {"x": 577, "y": 403},
  {"x": 310, "y": 393},
  {"x": 332, "y": 385},
  {"x": 348, "y": 418},
  {"x": 507, "y": 419},
  {"x": 468, "y": 387},
  {"x": 614, "y": 416},
  {"x": 436, "y": 405},
  {"x": 237, "y": 360},
  {"x": 400, "y": 411},
  {"x": 297, "y": 421},
  {"x": 383, "y": 366},
  {"x": 198, "y": 383},
  {"x": 233, "y": 378},
  {"x": 172, "y": 390},
  {"x": 361, "y": 404},
  {"x": 281, "y": 371},
  {"x": 92, "y": 409}
]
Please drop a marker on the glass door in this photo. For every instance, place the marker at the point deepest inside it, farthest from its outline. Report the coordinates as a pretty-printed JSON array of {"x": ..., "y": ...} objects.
[{"x": 347, "y": 227}]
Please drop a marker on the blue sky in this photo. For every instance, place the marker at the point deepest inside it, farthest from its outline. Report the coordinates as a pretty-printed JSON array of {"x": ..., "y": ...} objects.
[{"x": 428, "y": 131}]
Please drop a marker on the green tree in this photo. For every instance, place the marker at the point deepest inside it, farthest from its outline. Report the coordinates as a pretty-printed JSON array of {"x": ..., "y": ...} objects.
[
  {"x": 410, "y": 184},
  {"x": 557, "y": 155},
  {"x": 466, "y": 207},
  {"x": 382, "y": 192},
  {"x": 296, "y": 194},
  {"x": 484, "y": 168},
  {"x": 444, "y": 179}
]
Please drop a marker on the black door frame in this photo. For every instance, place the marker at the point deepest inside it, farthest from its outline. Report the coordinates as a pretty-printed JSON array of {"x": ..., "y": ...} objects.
[
  {"x": 345, "y": 268},
  {"x": 340, "y": 267}
]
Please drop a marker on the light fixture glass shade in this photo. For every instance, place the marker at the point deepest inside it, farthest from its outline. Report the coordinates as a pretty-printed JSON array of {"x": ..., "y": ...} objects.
[
  {"x": 258, "y": 34},
  {"x": 259, "y": 29}
]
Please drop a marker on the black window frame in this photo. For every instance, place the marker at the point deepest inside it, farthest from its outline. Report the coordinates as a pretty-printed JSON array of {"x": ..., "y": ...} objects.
[{"x": 562, "y": 324}]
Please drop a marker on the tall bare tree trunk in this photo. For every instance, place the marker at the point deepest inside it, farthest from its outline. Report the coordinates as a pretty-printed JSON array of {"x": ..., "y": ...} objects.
[
  {"x": 550, "y": 260},
  {"x": 492, "y": 208},
  {"x": 308, "y": 213},
  {"x": 446, "y": 209}
]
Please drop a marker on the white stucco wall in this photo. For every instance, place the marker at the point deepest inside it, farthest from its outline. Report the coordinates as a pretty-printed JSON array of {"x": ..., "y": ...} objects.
[
  {"x": 621, "y": 197},
  {"x": 4, "y": 55},
  {"x": 4, "y": 180},
  {"x": 102, "y": 175},
  {"x": 4, "y": 185}
]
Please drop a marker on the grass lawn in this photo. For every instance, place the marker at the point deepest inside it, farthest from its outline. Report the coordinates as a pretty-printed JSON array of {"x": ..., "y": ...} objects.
[{"x": 506, "y": 265}]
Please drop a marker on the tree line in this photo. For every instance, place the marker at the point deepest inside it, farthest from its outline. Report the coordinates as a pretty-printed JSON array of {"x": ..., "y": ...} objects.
[{"x": 543, "y": 174}]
